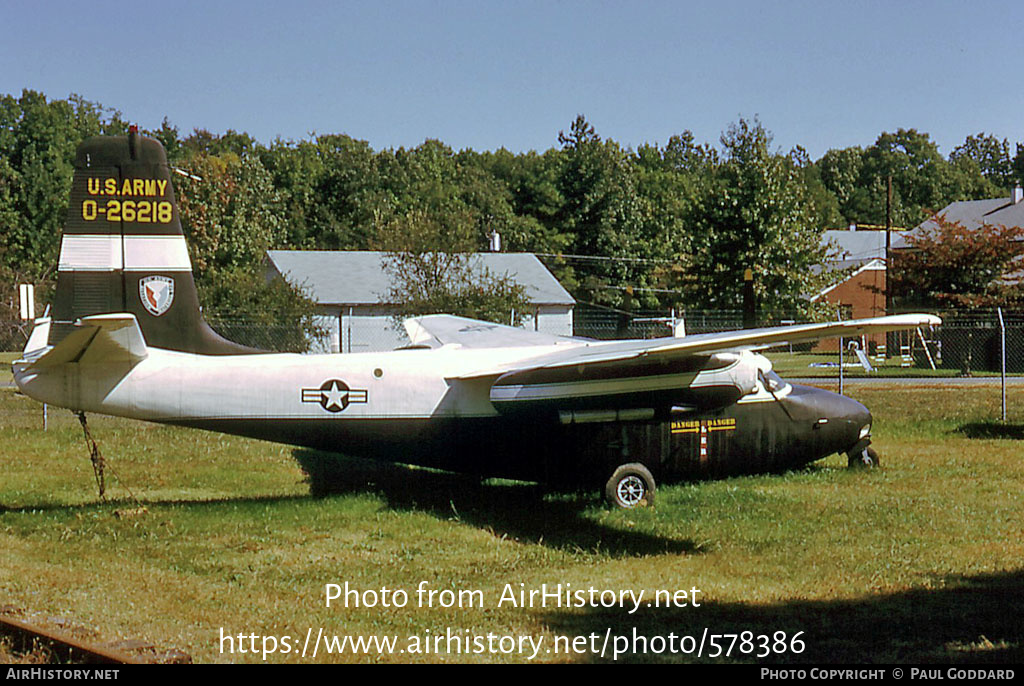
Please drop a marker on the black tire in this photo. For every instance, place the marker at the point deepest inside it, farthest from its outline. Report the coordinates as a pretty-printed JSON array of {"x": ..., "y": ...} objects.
[
  {"x": 865, "y": 458},
  {"x": 630, "y": 486}
]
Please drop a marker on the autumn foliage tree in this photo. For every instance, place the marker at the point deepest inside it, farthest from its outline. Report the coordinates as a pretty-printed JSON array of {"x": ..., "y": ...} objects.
[{"x": 947, "y": 264}]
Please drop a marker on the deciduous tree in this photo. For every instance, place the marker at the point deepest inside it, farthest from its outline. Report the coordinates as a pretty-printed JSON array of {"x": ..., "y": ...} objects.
[
  {"x": 991, "y": 155},
  {"x": 757, "y": 216},
  {"x": 949, "y": 265},
  {"x": 231, "y": 215},
  {"x": 434, "y": 269},
  {"x": 38, "y": 139}
]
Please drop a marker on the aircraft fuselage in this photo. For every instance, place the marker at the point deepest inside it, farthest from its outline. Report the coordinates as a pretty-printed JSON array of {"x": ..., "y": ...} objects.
[{"x": 410, "y": 406}]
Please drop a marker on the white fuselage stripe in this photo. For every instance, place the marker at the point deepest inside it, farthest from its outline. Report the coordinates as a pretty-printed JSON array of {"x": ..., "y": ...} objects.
[
  {"x": 575, "y": 389},
  {"x": 107, "y": 252}
]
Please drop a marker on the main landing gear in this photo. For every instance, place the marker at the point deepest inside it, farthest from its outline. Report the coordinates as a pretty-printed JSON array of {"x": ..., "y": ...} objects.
[{"x": 630, "y": 486}]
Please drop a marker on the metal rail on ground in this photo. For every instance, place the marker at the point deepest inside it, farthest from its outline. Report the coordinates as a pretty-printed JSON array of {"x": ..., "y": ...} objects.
[{"x": 64, "y": 649}]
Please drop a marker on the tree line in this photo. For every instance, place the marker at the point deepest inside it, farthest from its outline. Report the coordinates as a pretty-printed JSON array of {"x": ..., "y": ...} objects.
[{"x": 658, "y": 226}]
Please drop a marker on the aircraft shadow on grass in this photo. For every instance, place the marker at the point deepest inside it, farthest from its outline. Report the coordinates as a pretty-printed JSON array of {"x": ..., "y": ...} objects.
[
  {"x": 992, "y": 429},
  {"x": 971, "y": 620},
  {"x": 514, "y": 509}
]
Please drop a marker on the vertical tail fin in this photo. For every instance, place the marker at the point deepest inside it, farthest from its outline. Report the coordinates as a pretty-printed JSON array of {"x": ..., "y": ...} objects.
[{"x": 123, "y": 249}]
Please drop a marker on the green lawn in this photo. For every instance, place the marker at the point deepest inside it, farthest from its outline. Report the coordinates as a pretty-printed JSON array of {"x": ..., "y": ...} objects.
[
  {"x": 917, "y": 562},
  {"x": 5, "y": 367}
]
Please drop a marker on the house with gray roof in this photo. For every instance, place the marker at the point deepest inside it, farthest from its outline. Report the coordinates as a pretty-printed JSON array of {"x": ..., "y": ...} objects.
[
  {"x": 351, "y": 291},
  {"x": 853, "y": 247},
  {"x": 973, "y": 214},
  {"x": 856, "y": 261}
]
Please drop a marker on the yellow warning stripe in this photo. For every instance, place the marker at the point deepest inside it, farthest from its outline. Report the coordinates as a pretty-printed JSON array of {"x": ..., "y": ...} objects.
[{"x": 694, "y": 426}]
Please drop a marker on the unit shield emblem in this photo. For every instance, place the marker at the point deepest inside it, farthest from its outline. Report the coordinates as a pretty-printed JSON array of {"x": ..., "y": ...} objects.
[{"x": 157, "y": 294}]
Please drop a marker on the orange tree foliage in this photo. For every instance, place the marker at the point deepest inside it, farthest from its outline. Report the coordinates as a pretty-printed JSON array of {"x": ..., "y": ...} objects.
[{"x": 949, "y": 265}]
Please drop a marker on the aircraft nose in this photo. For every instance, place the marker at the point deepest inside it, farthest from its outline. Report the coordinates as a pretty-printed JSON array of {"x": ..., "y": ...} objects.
[{"x": 852, "y": 421}]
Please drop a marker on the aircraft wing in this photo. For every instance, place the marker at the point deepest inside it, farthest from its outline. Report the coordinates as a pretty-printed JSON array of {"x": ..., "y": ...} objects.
[
  {"x": 672, "y": 349},
  {"x": 638, "y": 375},
  {"x": 436, "y": 330},
  {"x": 97, "y": 338}
]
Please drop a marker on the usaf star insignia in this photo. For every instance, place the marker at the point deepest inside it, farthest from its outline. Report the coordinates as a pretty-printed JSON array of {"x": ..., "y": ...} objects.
[{"x": 334, "y": 395}]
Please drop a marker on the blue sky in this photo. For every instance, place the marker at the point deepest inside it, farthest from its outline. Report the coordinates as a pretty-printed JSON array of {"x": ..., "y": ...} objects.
[{"x": 486, "y": 75}]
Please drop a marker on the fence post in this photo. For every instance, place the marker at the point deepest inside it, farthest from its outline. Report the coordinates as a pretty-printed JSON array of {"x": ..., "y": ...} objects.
[
  {"x": 1002, "y": 358},
  {"x": 349, "y": 324},
  {"x": 839, "y": 316}
]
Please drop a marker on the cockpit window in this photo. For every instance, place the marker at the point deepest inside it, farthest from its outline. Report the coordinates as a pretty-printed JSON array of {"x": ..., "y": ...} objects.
[{"x": 774, "y": 381}]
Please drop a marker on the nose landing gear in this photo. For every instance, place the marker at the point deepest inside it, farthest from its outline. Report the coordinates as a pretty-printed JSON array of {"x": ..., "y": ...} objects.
[{"x": 865, "y": 458}]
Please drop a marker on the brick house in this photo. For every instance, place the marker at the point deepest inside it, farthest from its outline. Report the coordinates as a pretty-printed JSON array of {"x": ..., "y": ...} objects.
[{"x": 858, "y": 291}]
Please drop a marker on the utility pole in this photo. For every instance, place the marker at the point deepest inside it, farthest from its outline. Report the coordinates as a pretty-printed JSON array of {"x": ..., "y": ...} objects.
[
  {"x": 888, "y": 245},
  {"x": 890, "y": 338}
]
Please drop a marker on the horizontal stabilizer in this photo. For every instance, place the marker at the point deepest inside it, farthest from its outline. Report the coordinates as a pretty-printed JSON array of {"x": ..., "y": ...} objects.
[{"x": 97, "y": 339}]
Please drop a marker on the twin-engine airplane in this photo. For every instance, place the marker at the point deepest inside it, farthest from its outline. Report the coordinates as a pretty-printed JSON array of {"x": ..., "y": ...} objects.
[{"x": 126, "y": 338}]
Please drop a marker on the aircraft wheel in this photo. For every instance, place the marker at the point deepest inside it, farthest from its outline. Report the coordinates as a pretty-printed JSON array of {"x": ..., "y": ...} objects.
[
  {"x": 866, "y": 458},
  {"x": 632, "y": 485}
]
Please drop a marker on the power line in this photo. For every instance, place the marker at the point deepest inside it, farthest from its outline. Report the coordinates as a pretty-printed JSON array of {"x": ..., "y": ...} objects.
[
  {"x": 599, "y": 258},
  {"x": 634, "y": 288}
]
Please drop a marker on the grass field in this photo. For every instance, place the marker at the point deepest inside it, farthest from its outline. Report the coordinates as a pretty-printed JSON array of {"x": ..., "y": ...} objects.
[{"x": 921, "y": 561}]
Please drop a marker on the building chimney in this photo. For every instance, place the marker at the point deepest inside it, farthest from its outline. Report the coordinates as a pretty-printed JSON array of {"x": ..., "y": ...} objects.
[{"x": 1018, "y": 194}]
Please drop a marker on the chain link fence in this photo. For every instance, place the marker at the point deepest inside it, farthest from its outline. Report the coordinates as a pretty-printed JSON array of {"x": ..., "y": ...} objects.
[
  {"x": 968, "y": 343},
  {"x": 606, "y": 324},
  {"x": 975, "y": 341},
  {"x": 14, "y": 334},
  {"x": 278, "y": 338}
]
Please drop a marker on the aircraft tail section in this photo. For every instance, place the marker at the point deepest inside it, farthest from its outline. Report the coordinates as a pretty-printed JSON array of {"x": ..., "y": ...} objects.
[{"x": 123, "y": 250}]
